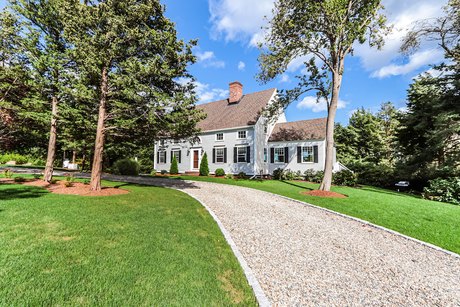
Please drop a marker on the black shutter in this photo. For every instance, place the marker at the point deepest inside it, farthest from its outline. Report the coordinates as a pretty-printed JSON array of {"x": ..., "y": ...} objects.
[
  {"x": 315, "y": 153},
  {"x": 299, "y": 154},
  {"x": 213, "y": 155},
  {"x": 248, "y": 154},
  {"x": 235, "y": 155},
  {"x": 172, "y": 155},
  {"x": 225, "y": 155},
  {"x": 166, "y": 156},
  {"x": 158, "y": 157},
  {"x": 180, "y": 156},
  {"x": 286, "y": 154},
  {"x": 272, "y": 155}
]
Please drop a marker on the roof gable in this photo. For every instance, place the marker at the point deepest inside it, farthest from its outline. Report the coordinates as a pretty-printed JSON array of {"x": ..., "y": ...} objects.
[
  {"x": 222, "y": 115},
  {"x": 312, "y": 129}
]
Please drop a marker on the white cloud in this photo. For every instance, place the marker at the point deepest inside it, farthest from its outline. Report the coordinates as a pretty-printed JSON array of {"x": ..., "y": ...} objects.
[
  {"x": 239, "y": 20},
  {"x": 310, "y": 102},
  {"x": 415, "y": 61},
  {"x": 284, "y": 78},
  {"x": 241, "y": 65},
  {"x": 208, "y": 59},
  {"x": 204, "y": 91}
]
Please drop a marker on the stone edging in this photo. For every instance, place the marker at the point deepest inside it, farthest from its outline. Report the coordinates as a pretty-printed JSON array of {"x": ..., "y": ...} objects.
[{"x": 252, "y": 280}]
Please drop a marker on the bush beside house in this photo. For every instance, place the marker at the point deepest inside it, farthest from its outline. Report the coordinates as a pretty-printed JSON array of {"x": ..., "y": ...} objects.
[
  {"x": 174, "y": 169},
  {"x": 126, "y": 167},
  {"x": 204, "y": 167}
]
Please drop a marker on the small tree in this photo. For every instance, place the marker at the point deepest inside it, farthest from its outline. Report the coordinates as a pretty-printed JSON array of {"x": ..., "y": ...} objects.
[
  {"x": 174, "y": 169},
  {"x": 204, "y": 168}
]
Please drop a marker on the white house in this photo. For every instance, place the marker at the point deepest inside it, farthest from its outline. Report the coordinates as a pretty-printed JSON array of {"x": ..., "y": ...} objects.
[{"x": 237, "y": 138}]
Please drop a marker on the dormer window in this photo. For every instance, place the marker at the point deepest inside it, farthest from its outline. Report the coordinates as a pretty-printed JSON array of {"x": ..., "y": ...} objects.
[
  {"x": 162, "y": 142},
  {"x": 219, "y": 136},
  {"x": 242, "y": 134}
]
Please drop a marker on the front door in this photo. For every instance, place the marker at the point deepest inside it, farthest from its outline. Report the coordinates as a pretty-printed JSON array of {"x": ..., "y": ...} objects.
[{"x": 196, "y": 158}]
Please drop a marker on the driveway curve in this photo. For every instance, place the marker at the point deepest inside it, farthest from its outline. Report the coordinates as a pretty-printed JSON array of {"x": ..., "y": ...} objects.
[{"x": 302, "y": 255}]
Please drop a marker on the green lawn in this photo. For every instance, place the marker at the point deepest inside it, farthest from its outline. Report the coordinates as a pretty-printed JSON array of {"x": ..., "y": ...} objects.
[
  {"x": 154, "y": 246},
  {"x": 429, "y": 221}
]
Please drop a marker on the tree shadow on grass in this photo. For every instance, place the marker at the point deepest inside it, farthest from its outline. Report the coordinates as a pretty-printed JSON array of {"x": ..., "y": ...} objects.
[
  {"x": 21, "y": 192},
  {"x": 296, "y": 185}
]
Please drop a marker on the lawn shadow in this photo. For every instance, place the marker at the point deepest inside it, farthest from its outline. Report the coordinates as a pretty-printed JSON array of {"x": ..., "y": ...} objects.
[
  {"x": 388, "y": 192},
  {"x": 296, "y": 185},
  {"x": 21, "y": 192}
]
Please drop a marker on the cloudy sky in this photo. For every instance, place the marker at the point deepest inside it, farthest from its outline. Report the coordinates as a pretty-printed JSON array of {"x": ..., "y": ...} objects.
[{"x": 228, "y": 30}]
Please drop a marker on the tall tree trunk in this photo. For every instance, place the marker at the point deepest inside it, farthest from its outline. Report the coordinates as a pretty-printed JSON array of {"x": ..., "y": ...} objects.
[
  {"x": 74, "y": 156},
  {"x": 327, "y": 179},
  {"x": 48, "y": 175},
  {"x": 96, "y": 170}
]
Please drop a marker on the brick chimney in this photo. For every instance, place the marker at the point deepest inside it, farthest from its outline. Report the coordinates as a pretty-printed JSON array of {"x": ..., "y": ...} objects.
[{"x": 236, "y": 92}]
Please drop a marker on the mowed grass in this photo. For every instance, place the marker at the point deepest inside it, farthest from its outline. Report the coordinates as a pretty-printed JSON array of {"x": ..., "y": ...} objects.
[
  {"x": 151, "y": 247},
  {"x": 434, "y": 222}
]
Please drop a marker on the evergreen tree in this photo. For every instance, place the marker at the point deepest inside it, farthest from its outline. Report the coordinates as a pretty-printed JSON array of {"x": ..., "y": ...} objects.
[
  {"x": 174, "y": 169},
  {"x": 204, "y": 168},
  {"x": 46, "y": 53},
  {"x": 131, "y": 52},
  {"x": 326, "y": 30}
]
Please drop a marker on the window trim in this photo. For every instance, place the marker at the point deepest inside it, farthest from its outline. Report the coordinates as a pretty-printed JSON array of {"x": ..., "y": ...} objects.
[
  {"x": 162, "y": 142},
  {"x": 162, "y": 154},
  {"x": 245, "y": 135},
  {"x": 238, "y": 154},
  {"x": 265, "y": 154},
  {"x": 217, "y": 156},
  {"x": 178, "y": 151},
  {"x": 312, "y": 154},
  {"x": 217, "y": 139},
  {"x": 283, "y": 154}
]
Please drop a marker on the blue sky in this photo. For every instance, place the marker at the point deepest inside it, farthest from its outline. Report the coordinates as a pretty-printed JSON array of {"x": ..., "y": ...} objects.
[{"x": 227, "y": 31}]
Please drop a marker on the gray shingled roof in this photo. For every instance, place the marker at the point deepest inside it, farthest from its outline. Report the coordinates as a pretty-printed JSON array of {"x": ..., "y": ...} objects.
[
  {"x": 312, "y": 129},
  {"x": 222, "y": 115}
]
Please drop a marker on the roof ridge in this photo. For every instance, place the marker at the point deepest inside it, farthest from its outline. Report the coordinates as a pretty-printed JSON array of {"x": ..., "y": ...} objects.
[{"x": 252, "y": 93}]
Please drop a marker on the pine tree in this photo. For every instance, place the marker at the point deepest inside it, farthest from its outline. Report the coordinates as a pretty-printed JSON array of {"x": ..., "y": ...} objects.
[
  {"x": 204, "y": 168},
  {"x": 131, "y": 51},
  {"x": 174, "y": 169}
]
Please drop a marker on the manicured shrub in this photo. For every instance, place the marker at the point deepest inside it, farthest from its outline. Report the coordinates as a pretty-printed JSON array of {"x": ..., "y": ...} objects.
[
  {"x": 19, "y": 179},
  {"x": 19, "y": 159},
  {"x": 229, "y": 176},
  {"x": 174, "y": 169},
  {"x": 126, "y": 167},
  {"x": 69, "y": 180},
  {"x": 445, "y": 190},
  {"x": 164, "y": 172},
  {"x": 220, "y": 172},
  {"x": 378, "y": 175},
  {"x": 86, "y": 182},
  {"x": 313, "y": 176},
  {"x": 278, "y": 174},
  {"x": 37, "y": 176},
  {"x": 241, "y": 175},
  {"x": 204, "y": 168},
  {"x": 345, "y": 177}
]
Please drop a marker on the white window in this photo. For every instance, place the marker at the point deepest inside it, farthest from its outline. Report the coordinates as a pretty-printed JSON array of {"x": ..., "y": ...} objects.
[
  {"x": 219, "y": 136},
  {"x": 242, "y": 134},
  {"x": 279, "y": 155},
  {"x": 241, "y": 154},
  {"x": 175, "y": 153},
  {"x": 265, "y": 155},
  {"x": 219, "y": 155},
  {"x": 307, "y": 154},
  {"x": 162, "y": 157}
]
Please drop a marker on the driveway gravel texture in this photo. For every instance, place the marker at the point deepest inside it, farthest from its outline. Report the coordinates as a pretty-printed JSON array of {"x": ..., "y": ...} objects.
[{"x": 302, "y": 255}]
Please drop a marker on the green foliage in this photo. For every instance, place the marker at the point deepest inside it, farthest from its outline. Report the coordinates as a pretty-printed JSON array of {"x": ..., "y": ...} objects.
[
  {"x": 228, "y": 176},
  {"x": 174, "y": 169},
  {"x": 241, "y": 175},
  {"x": 378, "y": 175},
  {"x": 313, "y": 176},
  {"x": 69, "y": 180},
  {"x": 54, "y": 181},
  {"x": 86, "y": 182},
  {"x": 219, "y": 172},
  {"x": 19, "y": 159},
  {"x": 278, "y": 174},
  {"x": 345, "y": 177},
  {"x": 204, "y": 167},
  {"x": 164, "y": 172},
  {"x": 127, "y": 167},
  {"x": 445, "y": 190},
  {"x": 19, "y": 179},
  {"x": 8, "y": 173},
  {"x": 37, "y": 176}
]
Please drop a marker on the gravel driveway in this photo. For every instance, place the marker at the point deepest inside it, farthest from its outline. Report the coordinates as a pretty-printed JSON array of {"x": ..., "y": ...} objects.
[{"x": 302, "y": 255}]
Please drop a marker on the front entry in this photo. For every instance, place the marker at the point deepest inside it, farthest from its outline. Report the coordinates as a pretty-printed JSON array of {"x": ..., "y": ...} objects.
[{"x": 196, "y": 158}]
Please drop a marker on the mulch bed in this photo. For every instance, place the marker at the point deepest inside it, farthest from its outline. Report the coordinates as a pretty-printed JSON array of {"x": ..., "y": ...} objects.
[
  {"x": 77, "y": 188},
  {"x": 327, "y": 194}
]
